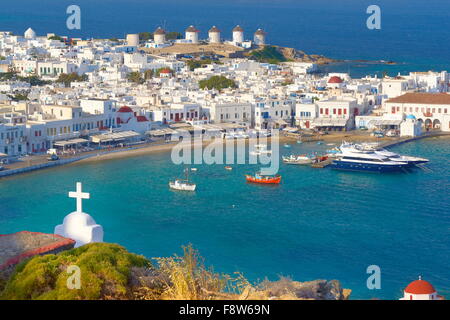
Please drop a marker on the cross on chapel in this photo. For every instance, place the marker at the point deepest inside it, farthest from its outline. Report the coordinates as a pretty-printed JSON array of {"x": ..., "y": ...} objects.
[{"x": 79, "y": 195}]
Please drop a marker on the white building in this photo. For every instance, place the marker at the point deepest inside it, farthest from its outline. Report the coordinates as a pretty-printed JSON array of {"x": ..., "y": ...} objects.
[
  {"x": 191, "y": 34},
  {"x": 12, "y": 139},
  {"x": 273, "y": 113},
  {"x": 410, "y": 127},
  {"x": 238, "y": 34},
  {"x": 29, "y": 34},
  {"x": 230, "y": 112},
  {"x": 336, "y": 113},
  {"x": 259, "y": 37},
  {"x": 159, "y": 36},
  {"x": 133, "y": 40},
  {"x": 214, "y": 35},
  {"x": 430, "y": 109},
  {"x": 394, "y": 87}
]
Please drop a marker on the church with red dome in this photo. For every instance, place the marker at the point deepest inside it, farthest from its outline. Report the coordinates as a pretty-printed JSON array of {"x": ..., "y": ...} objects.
[{"x": 420, "y": 290}]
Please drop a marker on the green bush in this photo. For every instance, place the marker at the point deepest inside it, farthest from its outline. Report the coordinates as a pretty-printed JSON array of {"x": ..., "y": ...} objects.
[
  {"x": 217, "y": 82},
  {"x": 105, "y": 274},
  {"x": 268, "y": 54}
]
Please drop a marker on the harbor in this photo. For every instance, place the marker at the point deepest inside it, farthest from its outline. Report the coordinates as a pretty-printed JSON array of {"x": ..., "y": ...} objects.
[{"x": 350, "y": 218}]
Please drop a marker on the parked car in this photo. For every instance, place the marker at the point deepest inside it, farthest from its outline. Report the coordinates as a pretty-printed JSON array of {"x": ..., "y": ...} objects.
[{"x": 53, "y": 157}]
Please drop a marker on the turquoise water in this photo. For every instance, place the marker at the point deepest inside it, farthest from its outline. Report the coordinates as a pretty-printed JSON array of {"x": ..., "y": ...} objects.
[{"x": 318, "y": 223}]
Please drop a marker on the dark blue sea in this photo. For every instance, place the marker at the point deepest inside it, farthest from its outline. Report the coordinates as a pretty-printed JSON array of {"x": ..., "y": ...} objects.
[
  {"x": 317, "y": 224},
  {"x": 414, "y": 33}
]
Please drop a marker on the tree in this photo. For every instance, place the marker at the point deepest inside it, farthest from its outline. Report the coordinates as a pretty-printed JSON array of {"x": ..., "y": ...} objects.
[
  {"x": 145, "y": 36},
  {"x": 55, "y": 37},
  {"x": 148, "y": 74},
  {"x": 217, "y": 82},
  {"x": 135, "y": 77},
  {"x": 19, "y": 97},
  {"x": 174, "y": 35},
  {"x": 67, "y": 79}
]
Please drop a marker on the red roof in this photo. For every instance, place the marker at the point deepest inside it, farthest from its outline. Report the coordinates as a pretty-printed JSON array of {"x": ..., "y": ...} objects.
[
  {"x": 420, "y": 287},
  {"x": 141, "y": 118},
  {"x": 165, "y": 71},
  {"x": 125, "y": 109},
  {"x": 335, "y": 79}
]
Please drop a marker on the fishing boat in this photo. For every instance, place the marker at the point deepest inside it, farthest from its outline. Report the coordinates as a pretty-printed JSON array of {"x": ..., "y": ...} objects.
[
  {"x": 182, "y": 184},
  {"x": 263, "y": 179},
  {"x": 287, "y": 145},
  {"x": 260, "y": 149},
  {"x": 228, "y": 168},
  {"x": 301, "y": 159}
]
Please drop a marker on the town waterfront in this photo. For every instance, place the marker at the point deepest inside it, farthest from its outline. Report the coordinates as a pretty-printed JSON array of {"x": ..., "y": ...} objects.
[{"x": 318, "y": 223}]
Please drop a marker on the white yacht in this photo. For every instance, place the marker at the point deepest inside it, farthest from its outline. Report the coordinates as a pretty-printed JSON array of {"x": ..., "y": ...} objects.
[
  {"x": 353, "y": 158},
  {"x": 374, "y": 147}
]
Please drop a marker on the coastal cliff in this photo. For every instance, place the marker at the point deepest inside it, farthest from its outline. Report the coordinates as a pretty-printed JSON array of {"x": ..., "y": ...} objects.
[
  {"x": 109, "y": 271},
  {"x": 275, "y": 54}
]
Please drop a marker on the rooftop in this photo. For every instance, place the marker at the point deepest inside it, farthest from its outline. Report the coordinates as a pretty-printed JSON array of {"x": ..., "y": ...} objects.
[{"x": 422, "y": 98}]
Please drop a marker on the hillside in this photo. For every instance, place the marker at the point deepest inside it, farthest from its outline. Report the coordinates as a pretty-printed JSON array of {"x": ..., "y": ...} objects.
[{"x": 109, "y": 271}]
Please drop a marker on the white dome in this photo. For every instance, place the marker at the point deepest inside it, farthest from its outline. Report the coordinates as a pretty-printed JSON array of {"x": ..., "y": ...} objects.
[
  {"x": 79, "y": 219},
  {"x": 30, "y": 34},
  {"x": 80, "y": 227}
]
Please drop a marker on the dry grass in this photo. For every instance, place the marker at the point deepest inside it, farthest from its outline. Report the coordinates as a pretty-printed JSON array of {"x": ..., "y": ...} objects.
[{"x": 187, "y": 278}]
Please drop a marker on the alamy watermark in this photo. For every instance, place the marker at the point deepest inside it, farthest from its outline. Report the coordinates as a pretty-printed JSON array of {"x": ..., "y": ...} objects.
[
  {"x": 73, "y": 22},
  {"x": 374, "y": 280},
  {"x": 198, "y": 148},
  {"x": 74, "y": 279},
  {"x": 374, "y": 20}
]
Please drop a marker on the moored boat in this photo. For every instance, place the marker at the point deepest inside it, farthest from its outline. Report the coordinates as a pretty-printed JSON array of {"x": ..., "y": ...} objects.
[
  {"x": 263, "y": 179},
  {"x": 354, "y": 159},
  {"x": 301, "y": 159},
  {"x": 182, "y": 184}
]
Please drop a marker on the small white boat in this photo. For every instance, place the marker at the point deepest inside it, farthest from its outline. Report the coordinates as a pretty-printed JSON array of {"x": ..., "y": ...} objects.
[
  {"x": 182, "y": 184},
  {"x": 193, "y": 169},
  {"x": 287, "y": 145},
  {"x": 302, "y": 159}
]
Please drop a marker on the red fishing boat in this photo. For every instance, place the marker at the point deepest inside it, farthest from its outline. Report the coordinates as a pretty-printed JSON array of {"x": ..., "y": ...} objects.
[{"x": 258, "y": 178}]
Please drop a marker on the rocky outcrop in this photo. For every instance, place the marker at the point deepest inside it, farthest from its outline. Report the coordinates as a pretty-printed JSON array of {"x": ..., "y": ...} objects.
[
  {"x": 286, "y": 289},
  {"x": 300, "y": 56}
]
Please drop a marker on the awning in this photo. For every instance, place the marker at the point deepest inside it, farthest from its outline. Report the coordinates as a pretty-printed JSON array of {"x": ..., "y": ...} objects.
[
  {"x": 64, "y": 143},
  {"x": 229, "y": 125},
  {"x": 114, "y": 136},
  {"x": 385, "y": 122},
  {"x": 207, "y": 127},
  {"x": 161, "y": 132},
  {"x": 182, "y": 126},
  {"x": 329, "y": 123}
]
